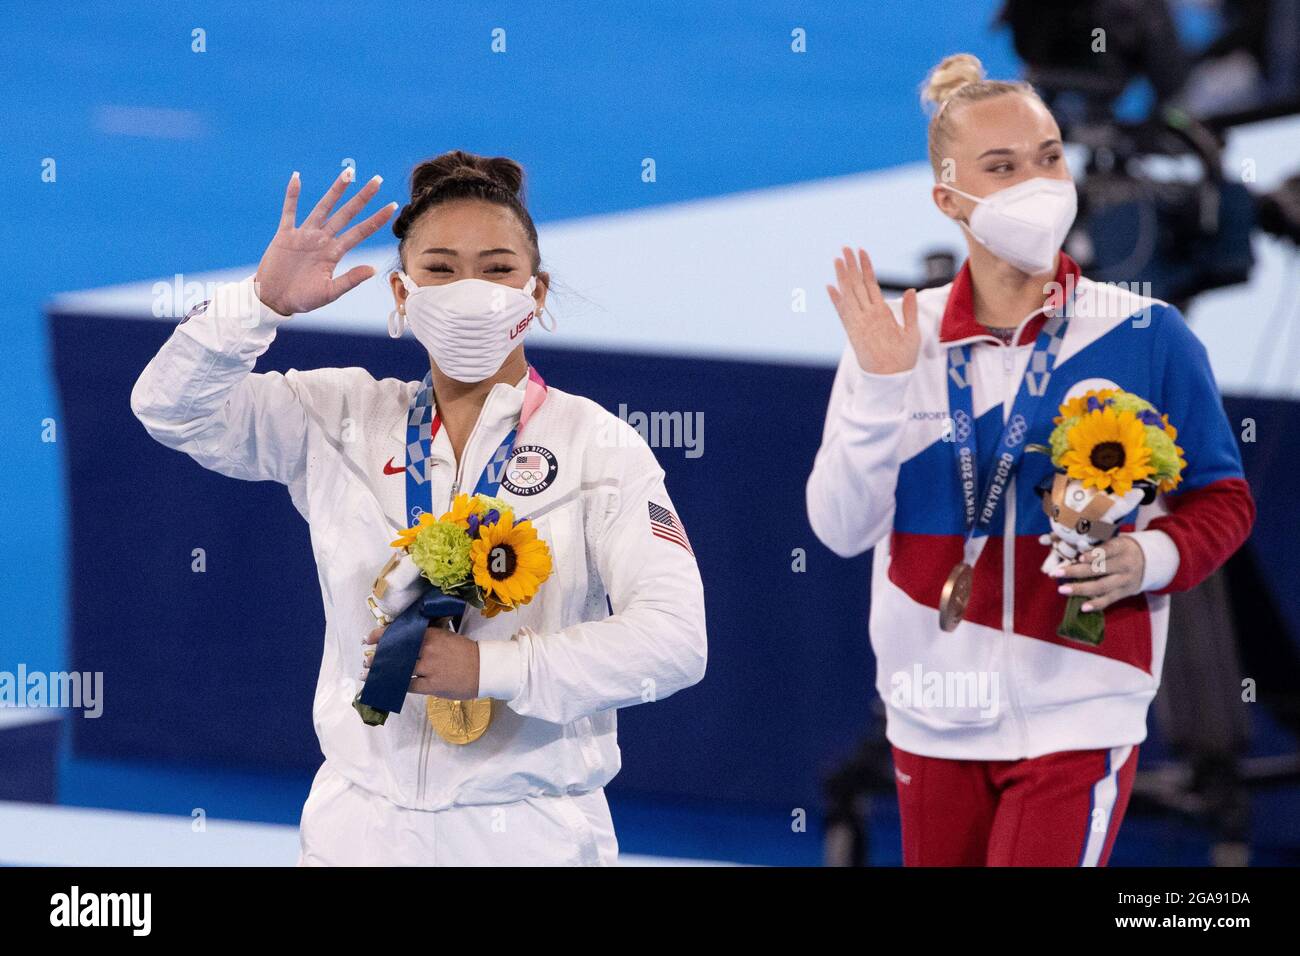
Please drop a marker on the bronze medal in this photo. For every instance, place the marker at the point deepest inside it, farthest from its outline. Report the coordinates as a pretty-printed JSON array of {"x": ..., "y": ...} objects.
[
  {"x": 955, "y": 596},
  {"x": 459, "y": 721}
]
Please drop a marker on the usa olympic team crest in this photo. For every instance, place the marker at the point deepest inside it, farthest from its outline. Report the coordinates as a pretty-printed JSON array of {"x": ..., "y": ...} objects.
[{"x": 531, "y": 470}]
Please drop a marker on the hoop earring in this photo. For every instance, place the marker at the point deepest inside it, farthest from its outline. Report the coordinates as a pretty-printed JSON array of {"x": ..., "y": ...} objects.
[{"x": 396, "y": 323}]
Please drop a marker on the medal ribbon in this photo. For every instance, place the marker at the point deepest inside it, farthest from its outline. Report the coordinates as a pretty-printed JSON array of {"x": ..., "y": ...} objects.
[
  {"x": 422, "y": 425},
  {"x": 980, "y": 512},
  {"x": 389, "y": 679}
]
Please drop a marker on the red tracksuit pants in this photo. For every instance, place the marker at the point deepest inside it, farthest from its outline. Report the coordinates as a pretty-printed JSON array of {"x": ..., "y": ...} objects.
[{"x": 1060, "y": 809}]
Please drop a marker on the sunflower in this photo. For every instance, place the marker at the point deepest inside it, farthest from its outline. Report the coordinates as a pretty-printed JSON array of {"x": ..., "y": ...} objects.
[
  {"x": 492, "y": 607},
  {"x": 510, "y": 564},
  {"x": 1108, "y": 451},
  {"x": 462, "y": 506},
  {"x": 1077, "y": 407},
  {"x": 406, "y": 537}
]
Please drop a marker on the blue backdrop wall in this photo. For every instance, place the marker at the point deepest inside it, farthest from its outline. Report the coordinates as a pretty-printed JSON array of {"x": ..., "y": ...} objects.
[{"x": 219, "y": 667}]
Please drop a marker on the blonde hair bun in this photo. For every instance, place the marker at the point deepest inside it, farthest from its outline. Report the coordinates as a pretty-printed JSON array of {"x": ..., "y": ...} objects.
[{"x": 952, "y": 73}]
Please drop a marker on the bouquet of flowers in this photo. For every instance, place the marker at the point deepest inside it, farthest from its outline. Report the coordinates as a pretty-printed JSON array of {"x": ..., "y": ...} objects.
[
  {"x": 1113, "y": 451},
  {"x": 476, "y": 554},
  {"x": 479, "y": 553}
]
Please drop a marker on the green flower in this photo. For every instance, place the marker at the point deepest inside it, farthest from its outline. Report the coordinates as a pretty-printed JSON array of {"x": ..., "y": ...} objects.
[
  {"x": 1058, "y": 440},
  {"x": 489, "y": 503},
  {"x": 441, "y": 552},
  {"x": 1128, "y": 402},
  {"x": 1164, "y": 454}
]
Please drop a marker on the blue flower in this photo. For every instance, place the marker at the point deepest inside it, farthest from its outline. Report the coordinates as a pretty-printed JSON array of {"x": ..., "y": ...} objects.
[
  {"x": 1149, "y": 417},
  {"x": 477, "y": 522}
]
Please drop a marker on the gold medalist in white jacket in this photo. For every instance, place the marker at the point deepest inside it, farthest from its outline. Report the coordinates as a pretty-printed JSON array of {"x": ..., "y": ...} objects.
[{"x": 557, "y": 668}]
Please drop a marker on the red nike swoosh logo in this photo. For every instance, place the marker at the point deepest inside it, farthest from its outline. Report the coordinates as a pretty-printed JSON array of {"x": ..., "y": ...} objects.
[{"x": 389, "y": 469}]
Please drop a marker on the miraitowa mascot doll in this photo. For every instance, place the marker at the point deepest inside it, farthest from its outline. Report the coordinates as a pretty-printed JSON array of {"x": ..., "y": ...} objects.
[{"x": 1113, "y": 452}]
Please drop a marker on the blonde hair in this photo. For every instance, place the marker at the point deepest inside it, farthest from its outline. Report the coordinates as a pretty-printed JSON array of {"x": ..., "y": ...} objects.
[{"x": 957, "y": 81}]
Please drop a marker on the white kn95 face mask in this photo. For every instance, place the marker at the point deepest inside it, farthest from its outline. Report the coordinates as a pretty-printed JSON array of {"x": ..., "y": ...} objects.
[{"x": 1025, "y": 224}]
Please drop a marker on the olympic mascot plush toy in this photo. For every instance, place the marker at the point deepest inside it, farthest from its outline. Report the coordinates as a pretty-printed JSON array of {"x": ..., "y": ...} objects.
[{"x": 1082, "y": 517}]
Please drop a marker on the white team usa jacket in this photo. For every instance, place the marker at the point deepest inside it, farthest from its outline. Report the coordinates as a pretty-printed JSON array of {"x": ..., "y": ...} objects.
[
  {"x": 1004, "y": 685},
  {"x": 558, "y": 667}
]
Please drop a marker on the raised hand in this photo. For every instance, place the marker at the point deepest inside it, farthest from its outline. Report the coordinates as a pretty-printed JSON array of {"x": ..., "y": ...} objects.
[
  {"x": 296, "y": 273},
  {"x": 881, "y": 345}
]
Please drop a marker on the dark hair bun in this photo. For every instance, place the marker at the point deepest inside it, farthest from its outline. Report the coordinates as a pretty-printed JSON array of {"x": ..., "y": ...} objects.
[
  {"x": 454, "y": 170},
  {"x": 461, "y": 175}
]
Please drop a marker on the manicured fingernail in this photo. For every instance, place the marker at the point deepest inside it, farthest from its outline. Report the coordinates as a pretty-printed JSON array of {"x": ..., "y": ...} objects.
[
  {"x": 1086, "y": 608},
  {"x": 1059, "y": 573},
  {"x": 1063, "y": 589},
  {"x": 295, "y": 174},
  {"x": 377, "y": 180}
]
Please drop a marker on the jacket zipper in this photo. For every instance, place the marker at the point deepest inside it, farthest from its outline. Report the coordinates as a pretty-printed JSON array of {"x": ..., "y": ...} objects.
[
  {"x": 425, "y": 731},
  {"x": 426, "y": 740},
  {"x": 1009, "y": 392}
]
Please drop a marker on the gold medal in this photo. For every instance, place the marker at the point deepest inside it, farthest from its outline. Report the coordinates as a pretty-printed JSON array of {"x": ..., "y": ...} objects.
[
  {"x": 459, "y": 721},
  {"x": 955, "y": 596}
]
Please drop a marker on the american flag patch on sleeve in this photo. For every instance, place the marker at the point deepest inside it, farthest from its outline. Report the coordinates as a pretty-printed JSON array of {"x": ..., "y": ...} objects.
[{"x": 664, "y": 524}]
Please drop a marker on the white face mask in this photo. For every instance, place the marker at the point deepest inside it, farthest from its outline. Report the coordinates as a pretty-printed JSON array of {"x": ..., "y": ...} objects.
[
  {"x": 468, "y": 326},
  {"x": 1024, "y": 224}
]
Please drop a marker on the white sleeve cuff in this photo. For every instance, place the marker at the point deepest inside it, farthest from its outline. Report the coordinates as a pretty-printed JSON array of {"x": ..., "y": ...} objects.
[
  {"x": 1161, "y": 558},
  {"x": 233, "y": 320},
  {"x": 500, "y": 669},
  {"x": 874, "y": 397}
]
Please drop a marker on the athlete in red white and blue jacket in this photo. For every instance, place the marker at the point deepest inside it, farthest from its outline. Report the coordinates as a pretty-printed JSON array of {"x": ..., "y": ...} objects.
[{"x": 1012, "y": 746}]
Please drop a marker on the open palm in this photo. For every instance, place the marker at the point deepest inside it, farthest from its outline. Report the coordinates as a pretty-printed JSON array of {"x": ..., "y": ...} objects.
[
  {"x": 296, "y": 273},
  {"x": 881, "y": 345}
]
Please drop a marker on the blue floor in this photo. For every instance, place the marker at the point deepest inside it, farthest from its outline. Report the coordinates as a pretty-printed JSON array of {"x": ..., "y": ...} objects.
[{"x": 652, "y": 827}]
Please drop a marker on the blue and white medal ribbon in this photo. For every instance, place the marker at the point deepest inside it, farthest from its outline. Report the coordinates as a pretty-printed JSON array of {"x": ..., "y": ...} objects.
[
  {"x": 422, "y": 426},
  {"x": 980, "y": 512}
]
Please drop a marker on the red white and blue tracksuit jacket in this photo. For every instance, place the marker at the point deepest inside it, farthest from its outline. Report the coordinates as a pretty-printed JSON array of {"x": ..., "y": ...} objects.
[{"x": 885, "y": 478}]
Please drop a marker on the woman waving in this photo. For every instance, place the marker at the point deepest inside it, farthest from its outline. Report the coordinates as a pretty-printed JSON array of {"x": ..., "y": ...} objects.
[
  {"x": 507, "y": 735},
  {"x": 1015, "y": 741}
]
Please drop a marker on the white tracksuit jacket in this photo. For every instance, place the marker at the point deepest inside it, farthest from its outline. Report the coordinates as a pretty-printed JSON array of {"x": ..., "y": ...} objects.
[{"x": 558, "y": 667}]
